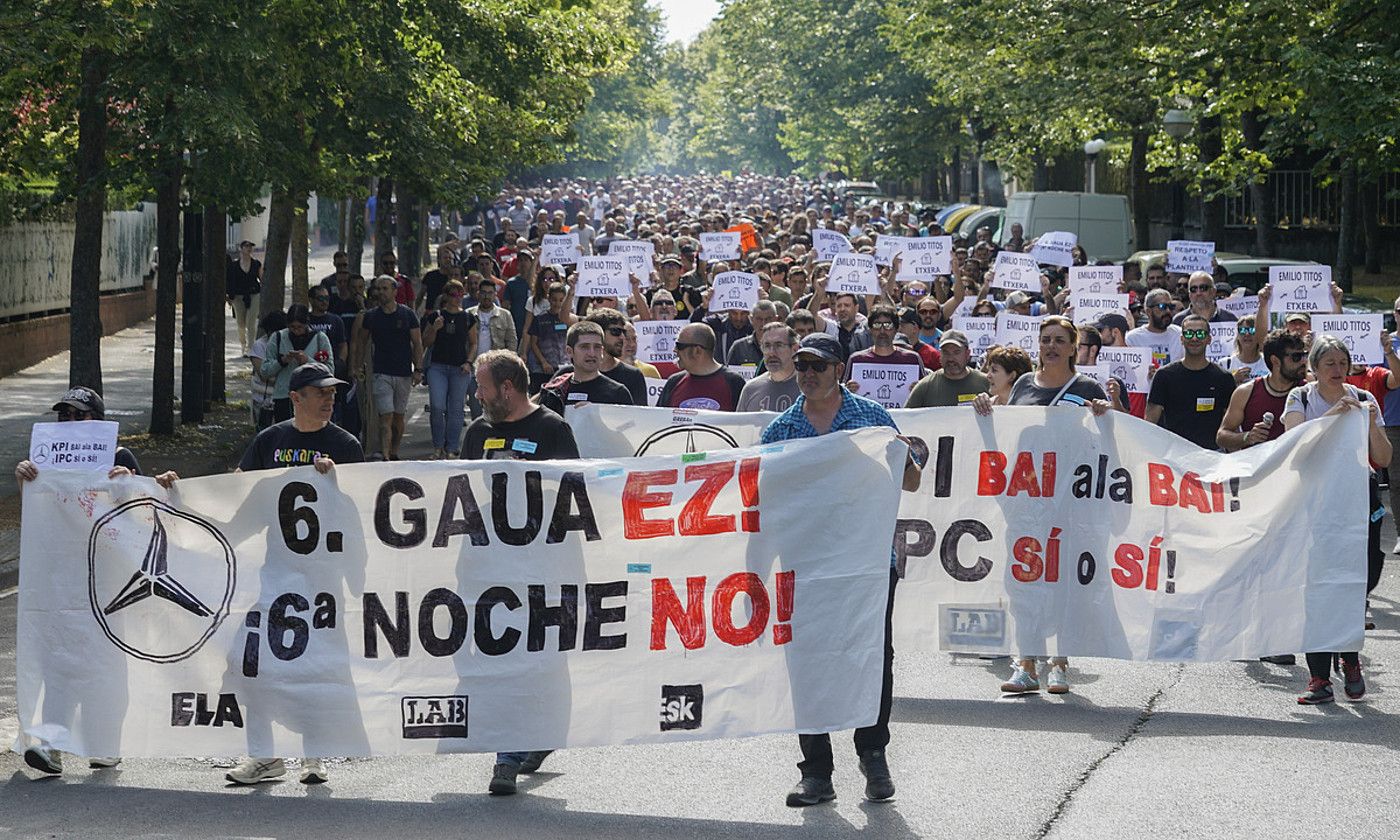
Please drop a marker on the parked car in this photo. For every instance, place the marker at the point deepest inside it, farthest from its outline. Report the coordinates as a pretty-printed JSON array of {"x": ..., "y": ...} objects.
[
  {"x": 1100, "y": 220},
  {"x": 990, "y": 217}
]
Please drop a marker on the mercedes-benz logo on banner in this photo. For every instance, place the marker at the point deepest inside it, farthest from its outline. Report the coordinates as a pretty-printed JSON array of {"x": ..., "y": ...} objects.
[{"x": 158, "y": 597}]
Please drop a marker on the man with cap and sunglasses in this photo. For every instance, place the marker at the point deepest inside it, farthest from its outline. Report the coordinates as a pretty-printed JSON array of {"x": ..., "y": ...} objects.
[{"x": 825, "y": 406}]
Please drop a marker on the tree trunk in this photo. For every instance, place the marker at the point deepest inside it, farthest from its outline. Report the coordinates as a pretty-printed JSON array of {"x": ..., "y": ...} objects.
[
  {"x": 85, "y": 314},
  {"x": 216, "y": 306},
  {"x": 1212, "y": 210},
  {"x": 279, "y": 238},
  {"x": 405, "y": 218},
  {"x": 355, "y": 238},
  {"x": 1371, "y": 224},
  {"x": 342, "y": 228},
  {"x": 1140, "y": 192},
  {"x": 167, "y": 287},
  {"x": 955, "y": 176},
  {"x": 1346, "y": 228},
  {"x": 298, "y": 247},
  {"x": 383, "y": 229},
  {"x": 1040, "y": 174},
  {"x": 1261, "y": 193}
]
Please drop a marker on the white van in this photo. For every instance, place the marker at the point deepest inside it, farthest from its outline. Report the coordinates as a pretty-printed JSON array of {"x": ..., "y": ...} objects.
[{"x": 1100, "y": 220}]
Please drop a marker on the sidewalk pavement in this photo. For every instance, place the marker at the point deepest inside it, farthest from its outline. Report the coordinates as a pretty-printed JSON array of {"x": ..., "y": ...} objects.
[{"x": 128, "y": 363}]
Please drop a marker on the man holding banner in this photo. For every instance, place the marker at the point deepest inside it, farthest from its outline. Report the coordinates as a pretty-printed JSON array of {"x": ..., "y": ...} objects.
[{"x": 824, "y": 407}]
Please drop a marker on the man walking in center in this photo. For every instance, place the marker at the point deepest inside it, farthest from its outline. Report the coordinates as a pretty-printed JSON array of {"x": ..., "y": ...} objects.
[{"x": 393, "y": 330}]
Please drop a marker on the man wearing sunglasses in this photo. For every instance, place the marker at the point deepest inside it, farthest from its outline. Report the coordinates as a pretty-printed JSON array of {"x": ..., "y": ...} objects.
[
  {"x": 823, "y": 407},
  {"x": 1159, "y": 333},
  {"x": 701, "y": 382},
  {"x": 1189, "y": 397},
  {"x": 1201, "y": 288}
]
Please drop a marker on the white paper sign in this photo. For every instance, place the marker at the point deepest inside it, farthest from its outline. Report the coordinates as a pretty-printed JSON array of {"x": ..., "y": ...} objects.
[
  {"x": 1133, "y": 365},
  {"x": 1186, "y": 255},
  {"x": 656, "y": 340},
  {"x": 734, "y": 290},
  {"x": 1222, "y": 340},
  {"x": 152, "y": 594},
  {"x": 981, "y": 333},
  {"x": 1055, "y": 248},
  {"x": 639, "y": 253},
  {"x": 1300, "y": 288},
  {"x": 1096, "y": 279},
  {"x": 1360, "y": 333},
  {"x": 559, "y": 249},
  {"x": 603, "y": 277},
  {"x": 654, "y": 388},
  {"x": 829, "y": 243},
  {"x": 1096, "y": 372},
  {"x": 1089, "y": 307},
  {"x": 748, "y": 372},
  {"x": 1239, "y": 306},
  {"x": 1015, "y": 271},
  {"x": 855, "y": 273},
  {"x": 888, "y": 385},
  {"x": 720, "y": 246},
  {"x": 1191, "y": 608},
  {"x": 886, "y": 246},
  {"x": 74, "y": 445},
  {"x": 1021, "y": 331},
  {"x": 925, "y": 257}
]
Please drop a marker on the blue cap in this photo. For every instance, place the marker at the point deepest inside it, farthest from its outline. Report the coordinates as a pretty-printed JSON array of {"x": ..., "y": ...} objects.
[{"x": 822, "y": 346}]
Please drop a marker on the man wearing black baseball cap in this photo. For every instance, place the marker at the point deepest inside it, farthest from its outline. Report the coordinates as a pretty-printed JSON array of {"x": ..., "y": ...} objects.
[
  {"x": 309, "y": 438},
  {"x": 825, "y": 406}
]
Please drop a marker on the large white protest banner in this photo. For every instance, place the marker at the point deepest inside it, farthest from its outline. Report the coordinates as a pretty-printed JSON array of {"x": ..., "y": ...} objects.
[
  {"x": 981, "y": 333},
  {"x": 457, "y": 607},
  {"x": 603, "y": 277},
  {"x": 924, "y": 257},
  {"x": 723, "y": 245},
  {"x": 1240, "y": 306},
  {"x": 1132, "y": 365},
  {"x": 829, "y": 243},
  {"x": 559, "y": 249},
  {"x": 639, "y": 254},
  {"x": 1055, "y": 247},
  {"x": 1089, "y": 307},
  {"x": 734, "y": 290},
  {"x": 854, "y": 273},
  {"x": 1187, "y": 255},
  {"x": 74, "y": 445},
  {"x": 1021, "y": 331},
  {"x": 1095, "y": 279},
  {"x": 1015, "y": 271},
  {"x": 1048, "y": 531},
  {"x": 1300, "y": 288},
  {"x": 1360, "y": 333},
  {"x": 656, "y": 340}
]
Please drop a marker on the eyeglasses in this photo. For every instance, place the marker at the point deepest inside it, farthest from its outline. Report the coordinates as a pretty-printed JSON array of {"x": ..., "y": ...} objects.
[
  {"x": 1296, "y": 355},
  {"x": 772, "y": 347},
  {"x": 616, "y": 331},
  {"x": 1195, "y": 335},
  {"x": 73, "y": 414},
  {"x": 1247, "y": 330},
  {"x": 1162, "y": 306},
  {"x": 1199, "y": 288},
  {"x": 685, "y": 345},
  {"x": 818, "y": 366},
  {"x": 663, "y": 304}
]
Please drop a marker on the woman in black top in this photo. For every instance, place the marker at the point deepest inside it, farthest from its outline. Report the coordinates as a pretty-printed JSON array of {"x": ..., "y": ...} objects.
[
  {"x": 243, "y": 286},
  {"x": 451, "y": 336}
]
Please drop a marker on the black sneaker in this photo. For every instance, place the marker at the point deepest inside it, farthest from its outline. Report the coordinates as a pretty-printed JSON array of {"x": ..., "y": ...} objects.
[
  {"x": 533, "y": 761},
  {"x": 503, "y": 779},
  {"x": 878, "y": 784},
  {"x": 811, "y": 791}
]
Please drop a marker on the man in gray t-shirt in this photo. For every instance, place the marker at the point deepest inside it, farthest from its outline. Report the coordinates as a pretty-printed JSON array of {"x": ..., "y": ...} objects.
[
  {"x": 776, "y": 389},
  {"x": 956, "y": 383}
]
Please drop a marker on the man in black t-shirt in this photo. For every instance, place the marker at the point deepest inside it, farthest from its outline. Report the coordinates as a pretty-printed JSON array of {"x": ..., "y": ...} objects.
[
  {"x": 614, "y": 326},
  {"x": 1190, "y": 396},
  {"x": 584, "y": 383},
  {"x": 513, "y": 428},
  {"x": 309, "y": 438}
]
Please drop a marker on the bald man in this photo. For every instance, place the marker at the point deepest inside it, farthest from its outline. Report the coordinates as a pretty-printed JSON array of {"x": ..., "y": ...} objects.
[{"x": 702, "y": 382}]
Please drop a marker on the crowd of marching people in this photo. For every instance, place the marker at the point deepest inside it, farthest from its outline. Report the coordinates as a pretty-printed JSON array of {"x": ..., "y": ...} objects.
[{"x": 507, "y": 347}]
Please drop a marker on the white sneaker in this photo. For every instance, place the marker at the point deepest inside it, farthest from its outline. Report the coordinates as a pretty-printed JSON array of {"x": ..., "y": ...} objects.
[
  {"x": 103, "y": 762},
  {"x": 254, "y": 770},
  {"x": 1396, "y": 549},
  {"x": 1021, "y": 682},
  {"x": 313, "y": 771},
  {"x": 1058, "y": 681},
  {"x": 44, "y": 759}
]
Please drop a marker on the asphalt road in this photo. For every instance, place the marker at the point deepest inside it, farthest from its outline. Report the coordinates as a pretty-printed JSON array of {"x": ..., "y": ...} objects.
[{"x": 1138, "y": 750}]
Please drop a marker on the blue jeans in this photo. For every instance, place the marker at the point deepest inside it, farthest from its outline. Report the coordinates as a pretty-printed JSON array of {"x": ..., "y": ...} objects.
[{"x": 448, "y": 386}]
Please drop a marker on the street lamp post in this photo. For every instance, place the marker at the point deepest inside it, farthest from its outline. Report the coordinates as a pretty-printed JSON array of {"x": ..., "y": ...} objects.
[
  {"x": 1091, "y": 153},
  {"x": 1178, "y": 124}
]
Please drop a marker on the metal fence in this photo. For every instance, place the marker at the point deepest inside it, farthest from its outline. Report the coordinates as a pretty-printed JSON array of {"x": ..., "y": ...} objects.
[{"x": 1301, "y": 200}]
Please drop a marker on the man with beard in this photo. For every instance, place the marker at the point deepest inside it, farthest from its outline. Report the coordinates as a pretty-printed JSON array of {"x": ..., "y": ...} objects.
[
  {"x": 1159, "y": 333},
  {"x": 776, "y": 388},
  {"x": 824, "y": 407},
  {"x": 512, "y": 428},
  {"x": 1256, "y": 407},
  {"x": 1189, "y": 396}
]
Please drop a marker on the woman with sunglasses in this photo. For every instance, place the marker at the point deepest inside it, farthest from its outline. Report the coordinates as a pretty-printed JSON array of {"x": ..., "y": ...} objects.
[
  {"x": 1247, "y": 362},
  {"x": 451, "y": 335},
  {"x": 1053, "y": 382},
  {"x": 1328, "y": 395}
]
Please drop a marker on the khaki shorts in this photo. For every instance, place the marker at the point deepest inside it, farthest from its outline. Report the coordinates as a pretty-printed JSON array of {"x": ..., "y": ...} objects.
[{"x": 391, "y": 393}]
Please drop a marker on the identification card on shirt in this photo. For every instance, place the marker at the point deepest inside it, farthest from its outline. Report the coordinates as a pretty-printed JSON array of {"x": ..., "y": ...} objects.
[{"x": 1205, "y": 404}]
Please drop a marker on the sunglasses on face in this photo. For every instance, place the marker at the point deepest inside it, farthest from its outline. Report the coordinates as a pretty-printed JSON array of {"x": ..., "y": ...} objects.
[
  {"x": 1296, "y": 355},
  {"x": 1198, "y": 288},
  {"x": 72, "y": 414},
  {"x": 881, "y": 325},
  {"x": 915, "y": 292},
  {"x": 1247, "y": 330},
  {"x": 819, "y": 366},
  {"x": 1195, "y": 335},
  {"x": 1162, "y": 306},
  {"x": 685, "y": 345},
  {"x": 616, "y": 331}
]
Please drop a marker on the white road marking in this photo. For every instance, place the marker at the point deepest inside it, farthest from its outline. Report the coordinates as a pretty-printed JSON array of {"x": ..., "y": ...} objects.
[{"x": 5, "y": 593}]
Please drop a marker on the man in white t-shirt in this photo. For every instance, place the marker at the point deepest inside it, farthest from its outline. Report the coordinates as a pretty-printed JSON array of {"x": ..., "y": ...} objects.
[{"x": 1159, "y": 333}]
